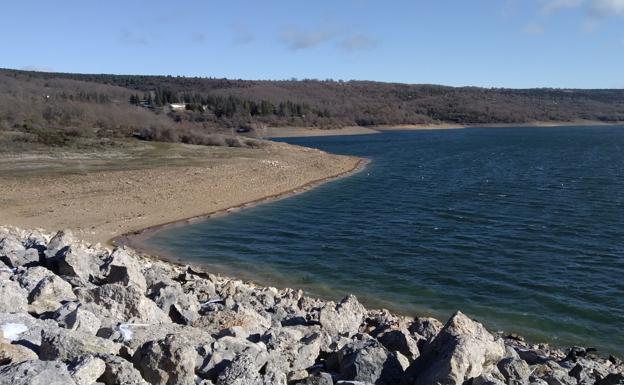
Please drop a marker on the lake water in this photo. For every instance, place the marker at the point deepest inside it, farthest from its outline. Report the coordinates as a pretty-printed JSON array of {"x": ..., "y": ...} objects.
[{"x": 520, "y": 228}]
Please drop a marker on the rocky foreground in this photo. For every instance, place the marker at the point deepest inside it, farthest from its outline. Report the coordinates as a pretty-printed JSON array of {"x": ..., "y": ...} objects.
[{"x": 76, "y": 314}]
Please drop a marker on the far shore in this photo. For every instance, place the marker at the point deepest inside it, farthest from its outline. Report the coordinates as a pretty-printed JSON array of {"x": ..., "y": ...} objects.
[{"x": 288, "y": 132}]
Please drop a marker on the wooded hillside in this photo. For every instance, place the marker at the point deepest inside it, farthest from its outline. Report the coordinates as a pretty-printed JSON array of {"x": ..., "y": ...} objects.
[{"x": 123, "y": 105}]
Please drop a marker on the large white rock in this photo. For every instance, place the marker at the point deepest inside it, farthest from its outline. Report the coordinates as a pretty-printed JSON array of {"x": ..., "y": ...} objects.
[
  {"x": 344, "y": 318},
  {"x": 123, "y": 268},
  {"x": 116, "y": 303},
  {"x": 462, "y": 350}
]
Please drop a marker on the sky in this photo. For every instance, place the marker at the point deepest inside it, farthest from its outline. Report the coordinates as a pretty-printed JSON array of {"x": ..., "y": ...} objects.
[{"x": 489, "y": 43}]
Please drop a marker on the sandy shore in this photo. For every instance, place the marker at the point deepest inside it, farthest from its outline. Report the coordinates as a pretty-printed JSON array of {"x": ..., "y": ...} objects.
[
  {"x": 104, "y": 196},
  {"x": 287, "y": 132}
]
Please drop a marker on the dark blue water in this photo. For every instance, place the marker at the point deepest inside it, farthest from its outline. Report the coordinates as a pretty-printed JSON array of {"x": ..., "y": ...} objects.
[{"x": 521, "y": 228}]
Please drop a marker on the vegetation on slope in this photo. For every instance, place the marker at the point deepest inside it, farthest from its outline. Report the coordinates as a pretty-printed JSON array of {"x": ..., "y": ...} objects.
[{"x": 56, "y": 108}]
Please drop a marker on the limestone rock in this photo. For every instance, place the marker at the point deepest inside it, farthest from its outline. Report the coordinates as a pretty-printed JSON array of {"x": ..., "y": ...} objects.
[
  {"x": 87, "y": 370},
  {"x": 515, "y": 370},
  {"x": 63, "y": 344},
  {"x": 400, "y": 340},
  {"x": 118, "y": 371},
  {"x": 344, "y": 318},
  {"x": 142, "y": 334},
  {"x": 292, "y": 349},
  {"x": 36, "y": 373},
  {"x": 122, "y": 268},
  {"x": 249, "y": 320},
  {"x": 427, "y": 327},
  {"x": 182, "y": 308},
  {"x": 170, "y": 361},
  {"x": 13, "y": 299},
  {"x": 49, "y": 293},
  {"x": 243, "y": 370},
  {"x": 370, "y": 362},
  {"x": 34, "y": 327},
  {"x": 225, "y": 349},
  {"x": 10, "y": 353},
  {"x": 14, "y": 254},
  {"x": 462, "y": 350},
  {"x": 116, "y": 303},
  {"x": 79, "y": 265},
  {"x": 29, "y": 278},
  {"x": 73, "y": 316}
]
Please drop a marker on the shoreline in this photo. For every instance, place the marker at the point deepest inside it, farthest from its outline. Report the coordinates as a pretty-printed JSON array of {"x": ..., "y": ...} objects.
[
  {"x": 216, "y": 328},
  {"x": 292, "y": 132},
  {"x": 135, "y": 239}
]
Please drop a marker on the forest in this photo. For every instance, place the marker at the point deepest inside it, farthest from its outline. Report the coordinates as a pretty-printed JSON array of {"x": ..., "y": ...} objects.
[{"x": 55, "y": 107}]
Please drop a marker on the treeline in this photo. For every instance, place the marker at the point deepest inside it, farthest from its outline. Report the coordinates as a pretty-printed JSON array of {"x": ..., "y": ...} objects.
[
  {"x": 59, "y": 112},
  {"x": 126, "y": 104}
]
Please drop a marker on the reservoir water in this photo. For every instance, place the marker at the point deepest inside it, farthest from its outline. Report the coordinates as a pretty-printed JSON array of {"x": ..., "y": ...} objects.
[{"x": 520, "y": 228}]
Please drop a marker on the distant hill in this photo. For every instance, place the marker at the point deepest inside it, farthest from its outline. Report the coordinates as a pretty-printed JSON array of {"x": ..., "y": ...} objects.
[{"x": 123, "y": 105}]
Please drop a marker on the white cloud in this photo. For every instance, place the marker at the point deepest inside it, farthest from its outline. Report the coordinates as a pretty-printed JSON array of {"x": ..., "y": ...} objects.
[
  {"x": 607, "y": 7},
  {"x": 594, "y": 8}
]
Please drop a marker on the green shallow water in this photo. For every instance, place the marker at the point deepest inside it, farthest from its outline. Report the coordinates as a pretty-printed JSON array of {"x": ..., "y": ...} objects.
[{"x": 521, "y": 228}]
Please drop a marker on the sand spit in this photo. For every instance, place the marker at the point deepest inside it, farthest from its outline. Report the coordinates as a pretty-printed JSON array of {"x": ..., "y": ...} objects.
[{"x": 100, "y": 202}]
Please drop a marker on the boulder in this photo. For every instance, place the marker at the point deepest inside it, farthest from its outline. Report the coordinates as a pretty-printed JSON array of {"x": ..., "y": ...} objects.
[
  {"x": 142, "y": 334},
  {"x": 87, "y": 370},
  {"x": 291, "y": 350},
  {"x": 73, "y": 260},
  {"x": 14, "y": 254},
  {"x": 29, "y": 327},
  {"x": 203, "y": 289},
  {"x": 115, "y": 303},
  {"x": 121, "y": 267},
  {"x": 11, "y": 354},
  {"x": 370, "y": 362},
  {"x": 62, "y": 344},
  {"x": 462, "y": 350},
  {"x": 344, "y": 318},
  {"x": 182, "y": 308},
  {"x": 36, "y": 373},
  {"x": 223, "y": 351},
  {"x": 72, "y": 316},
  {"x": 13, "y": 298},
  {"x": 49, "y": 294},
  {"x": 170, "y": 361},
  {"x": 515, "y": 370},
  {"x": 79, "y": 265},
  {"x": 242, "y": 370},
  {"x": 38, "y": 240},
  {"x": 29, "y": 278},
  {"x": 218, "y": 321},
  {"x": 118, "y": 371},
  {"x": 426, "y": 327},
  {"x": 400, "y": 340}
]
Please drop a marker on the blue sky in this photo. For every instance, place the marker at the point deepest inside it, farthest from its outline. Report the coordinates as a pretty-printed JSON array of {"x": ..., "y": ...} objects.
[{"x": 492, "y": 43}]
